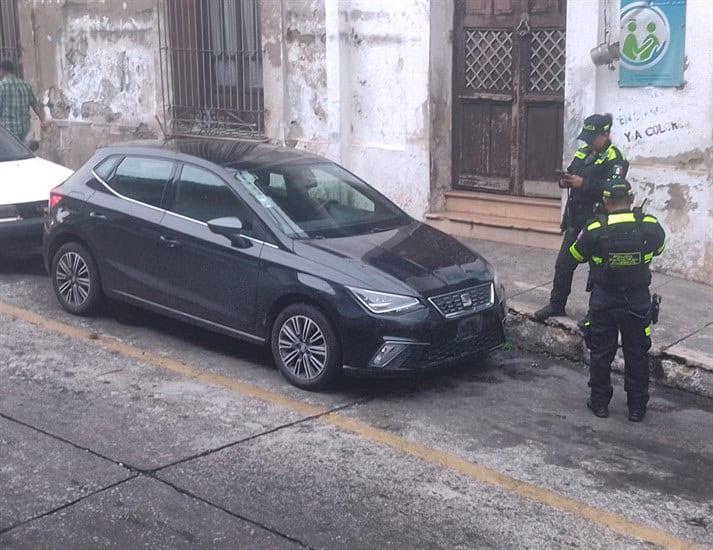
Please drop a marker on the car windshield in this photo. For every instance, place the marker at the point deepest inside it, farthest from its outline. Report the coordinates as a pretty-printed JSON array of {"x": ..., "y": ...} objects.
[
  {"x": 11, "y": 148},
  {"x": 320, "y": 200}
]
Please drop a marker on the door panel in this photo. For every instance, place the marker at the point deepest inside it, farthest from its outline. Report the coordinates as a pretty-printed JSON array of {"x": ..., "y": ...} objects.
[
  {"x": 206, "y": 276},
  {"x": 509, "y": 71},
  {"x": 126, "y": 235},
  {"x": 542, "y": 155},
  {"x": 486, "y": 129},
  {"x": 124, "y": 223}
]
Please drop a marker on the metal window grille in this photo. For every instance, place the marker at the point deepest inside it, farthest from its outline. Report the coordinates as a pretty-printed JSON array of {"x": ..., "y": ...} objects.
[
  {"x": 211, "y": 67},
  {"x": 488, "y": 60},
  {"x": 9, "y": 38},
  {"x": 547, "y": 60}
]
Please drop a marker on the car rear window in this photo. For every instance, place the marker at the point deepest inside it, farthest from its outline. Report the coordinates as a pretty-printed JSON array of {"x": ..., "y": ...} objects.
[{"x": 143, "y": 179}]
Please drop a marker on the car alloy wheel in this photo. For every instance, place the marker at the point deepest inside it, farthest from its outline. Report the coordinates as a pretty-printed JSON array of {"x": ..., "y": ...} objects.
[
  {"x": 75, "y": 279},
  {"x": 305, "y": 347},
  {"x": 302, "y": 347},
  {"x": 73, "y": 282}
]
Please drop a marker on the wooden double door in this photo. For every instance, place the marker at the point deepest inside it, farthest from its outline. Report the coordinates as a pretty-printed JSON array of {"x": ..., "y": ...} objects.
[{"x": 508, "y": 99}]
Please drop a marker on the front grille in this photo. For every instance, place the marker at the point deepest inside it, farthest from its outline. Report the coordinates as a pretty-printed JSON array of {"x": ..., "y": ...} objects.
[
  {"x": 30, "y": 210},
  {"x": 491, "y": 337},
  {"x": 464, "y": 301}
]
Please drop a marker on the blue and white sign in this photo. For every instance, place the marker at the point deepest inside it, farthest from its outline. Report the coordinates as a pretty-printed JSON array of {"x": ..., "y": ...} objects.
[{"x": 652, "y": 42}]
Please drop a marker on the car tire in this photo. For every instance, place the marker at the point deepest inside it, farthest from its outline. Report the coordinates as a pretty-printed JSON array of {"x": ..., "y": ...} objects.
[
  {"x": 305, "y": 347},
  {"x": 75, "y": 279}
]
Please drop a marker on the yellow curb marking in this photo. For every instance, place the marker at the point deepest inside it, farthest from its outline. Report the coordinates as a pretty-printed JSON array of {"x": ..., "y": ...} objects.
[{"x": 454, "y": 463}]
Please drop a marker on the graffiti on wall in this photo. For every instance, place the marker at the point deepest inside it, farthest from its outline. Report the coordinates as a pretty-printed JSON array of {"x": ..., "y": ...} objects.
[{"x": 647, "y": 123}]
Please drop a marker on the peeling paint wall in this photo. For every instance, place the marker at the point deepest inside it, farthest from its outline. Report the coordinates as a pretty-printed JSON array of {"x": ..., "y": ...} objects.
[
  {"x": 371, "y": 113},
  {"x": 666, "y": 133},
  {"x": 95, "y": 66},
  {"x": 305, "y": 46}
]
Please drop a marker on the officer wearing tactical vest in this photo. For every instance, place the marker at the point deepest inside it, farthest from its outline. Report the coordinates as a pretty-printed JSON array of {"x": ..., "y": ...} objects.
[
  {"x": 620, "y": 245},
  {"x": 592, "y": 165}
]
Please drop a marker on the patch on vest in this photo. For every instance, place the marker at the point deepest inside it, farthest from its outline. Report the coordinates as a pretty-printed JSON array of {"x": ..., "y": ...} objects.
[{"x": 624, "y": 259}]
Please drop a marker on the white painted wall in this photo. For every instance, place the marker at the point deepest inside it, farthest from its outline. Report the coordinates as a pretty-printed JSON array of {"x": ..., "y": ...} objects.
[
  {"x": 666, "y": 133},
  {"x": 357, "y": 90}
]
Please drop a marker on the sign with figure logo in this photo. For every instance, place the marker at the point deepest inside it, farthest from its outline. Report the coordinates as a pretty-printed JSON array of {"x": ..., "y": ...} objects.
[{"x": 652, "y": 42}]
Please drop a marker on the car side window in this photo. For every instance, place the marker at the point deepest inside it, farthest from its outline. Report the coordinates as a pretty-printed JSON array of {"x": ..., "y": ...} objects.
[
  {"x": 142, "y": 179},
  {"x": 106, "y": 167},
  {"x": 203, "y": 196}
]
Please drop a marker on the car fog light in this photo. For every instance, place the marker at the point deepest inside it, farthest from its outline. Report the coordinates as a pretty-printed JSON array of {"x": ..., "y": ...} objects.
[{"x": 387, "y": 353}]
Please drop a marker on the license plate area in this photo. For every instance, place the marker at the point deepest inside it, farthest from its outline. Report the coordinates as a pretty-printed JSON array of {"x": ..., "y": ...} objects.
[{"x": 469, "y": 329}]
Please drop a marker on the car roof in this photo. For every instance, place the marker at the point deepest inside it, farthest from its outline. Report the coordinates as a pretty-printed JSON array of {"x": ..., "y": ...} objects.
[{"x": 223, "y": 152}]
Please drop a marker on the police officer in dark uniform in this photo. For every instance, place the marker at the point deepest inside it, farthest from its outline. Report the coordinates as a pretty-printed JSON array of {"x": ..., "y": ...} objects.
[
  {"x": 592, "y": 165},
  {"x": 620, "y": 244}
]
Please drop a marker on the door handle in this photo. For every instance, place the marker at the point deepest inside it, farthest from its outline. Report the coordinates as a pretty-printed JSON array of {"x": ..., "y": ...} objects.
[
  {"x": 97, "y": 215},
  {"x": 170, "y": 243}
]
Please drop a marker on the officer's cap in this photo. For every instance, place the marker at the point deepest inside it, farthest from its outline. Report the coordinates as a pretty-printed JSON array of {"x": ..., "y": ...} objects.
[
  {"x": 593, "y": 126},
  {"x": 617, "y": 188}
]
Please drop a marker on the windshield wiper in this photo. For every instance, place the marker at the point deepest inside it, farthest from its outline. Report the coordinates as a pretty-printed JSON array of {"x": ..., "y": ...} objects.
[{"x": 383, "y": 228}]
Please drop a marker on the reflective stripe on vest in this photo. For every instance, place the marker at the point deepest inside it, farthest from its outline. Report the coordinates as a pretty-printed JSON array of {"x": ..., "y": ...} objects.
[
  {"x": 621, "y": 218},
  {"x": 576, "y": 254}
]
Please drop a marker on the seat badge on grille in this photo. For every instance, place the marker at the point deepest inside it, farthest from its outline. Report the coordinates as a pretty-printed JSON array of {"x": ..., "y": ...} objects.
[{"x": 466, "y": 300}]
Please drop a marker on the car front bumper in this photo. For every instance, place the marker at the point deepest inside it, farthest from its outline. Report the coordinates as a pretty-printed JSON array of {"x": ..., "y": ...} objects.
[{"x": 425, "y": 338}]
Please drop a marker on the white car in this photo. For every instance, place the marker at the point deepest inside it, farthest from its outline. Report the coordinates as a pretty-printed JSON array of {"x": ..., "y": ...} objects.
[{"x": 25, "y": 184}]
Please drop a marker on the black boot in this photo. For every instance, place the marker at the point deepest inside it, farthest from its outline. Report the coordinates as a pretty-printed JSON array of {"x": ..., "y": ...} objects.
[
  {"x": 600, "y": 410},
  {"x": 550, "y": 310},
  {"x": 636, "y": 414}
]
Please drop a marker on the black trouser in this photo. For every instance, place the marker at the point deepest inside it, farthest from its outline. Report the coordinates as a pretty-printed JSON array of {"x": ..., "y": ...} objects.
[
  {"x": 564, "y": 270},
  {"x": 612, "y": 312}
]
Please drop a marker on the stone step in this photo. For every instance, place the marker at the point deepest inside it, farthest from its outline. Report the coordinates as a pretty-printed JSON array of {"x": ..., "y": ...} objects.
[
  {"x": 504, "y": 206},
  {"x": 497, "y": 228}
]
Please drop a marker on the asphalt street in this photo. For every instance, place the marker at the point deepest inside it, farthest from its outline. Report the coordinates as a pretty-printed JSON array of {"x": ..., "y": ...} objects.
[{"x": 128, "y": 430}]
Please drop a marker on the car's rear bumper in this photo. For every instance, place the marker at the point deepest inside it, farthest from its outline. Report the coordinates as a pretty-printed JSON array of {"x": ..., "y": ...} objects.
[
  {"x": 429, "y": 340},
  {"x": 21, "y": 236}
]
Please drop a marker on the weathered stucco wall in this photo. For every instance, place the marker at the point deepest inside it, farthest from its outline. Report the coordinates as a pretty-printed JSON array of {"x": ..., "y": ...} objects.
[
  {"x": 666, "y": 133},
  {"x": 356, "y": 76},
  {"x": 441, "y": 100},
  {"x": 95, "y": 66}
]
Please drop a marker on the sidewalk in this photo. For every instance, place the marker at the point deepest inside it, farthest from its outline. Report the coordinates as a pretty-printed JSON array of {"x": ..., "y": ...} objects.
[{"x": 682, "y": 351}]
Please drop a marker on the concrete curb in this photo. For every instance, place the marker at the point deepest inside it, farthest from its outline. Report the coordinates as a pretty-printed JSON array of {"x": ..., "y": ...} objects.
[{"x": 676, "y": 366}]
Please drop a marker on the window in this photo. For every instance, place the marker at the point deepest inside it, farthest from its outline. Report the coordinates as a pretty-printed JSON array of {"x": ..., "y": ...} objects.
[
  {"x": 142, "y": 179},
  {"x": 106, "y": 167},
  {"x": 319, "y": 200},
  {"x": 327, "y": 188},
  {"x": 203, "y": 196},
  {"x": 211, "y": 58}
]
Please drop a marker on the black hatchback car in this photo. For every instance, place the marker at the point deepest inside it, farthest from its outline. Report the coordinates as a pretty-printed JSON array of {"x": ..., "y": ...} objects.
[{"x": 274, "y": 246}]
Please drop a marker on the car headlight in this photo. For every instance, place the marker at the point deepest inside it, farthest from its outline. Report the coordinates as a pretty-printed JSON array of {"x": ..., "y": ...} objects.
[{"x": 383, "y": 302}]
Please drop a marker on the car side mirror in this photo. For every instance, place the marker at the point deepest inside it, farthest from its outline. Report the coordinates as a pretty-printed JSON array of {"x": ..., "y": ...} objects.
[
  {"x": 230, "y": 227},
  {"x": 33, "y": 146}
]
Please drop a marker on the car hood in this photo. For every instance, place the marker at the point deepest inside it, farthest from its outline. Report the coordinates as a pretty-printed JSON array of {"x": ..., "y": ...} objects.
[
  {"x": 414, "y": 257},
  {"x": 29, "y": 180}
]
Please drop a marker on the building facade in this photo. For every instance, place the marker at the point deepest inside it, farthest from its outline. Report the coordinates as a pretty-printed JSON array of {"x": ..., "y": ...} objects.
[{"x": 458, "y": 110}]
